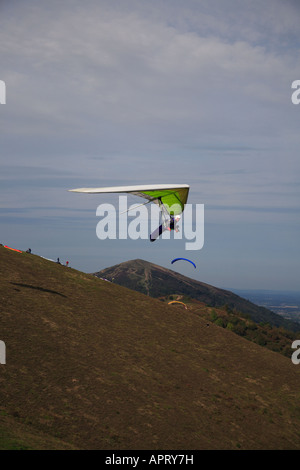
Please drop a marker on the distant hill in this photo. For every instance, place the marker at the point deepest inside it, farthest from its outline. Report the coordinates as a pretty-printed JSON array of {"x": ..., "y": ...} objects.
[
  {"x": 93, "y": 365},
  {"x": 156, "y": 281}
]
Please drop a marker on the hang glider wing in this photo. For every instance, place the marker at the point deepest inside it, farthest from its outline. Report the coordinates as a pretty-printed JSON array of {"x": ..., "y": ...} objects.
[{"x": 167, "y": 195}]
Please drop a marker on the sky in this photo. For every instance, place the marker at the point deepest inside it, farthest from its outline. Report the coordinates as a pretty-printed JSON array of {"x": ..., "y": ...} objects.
[{"x": 104, "y": 93}]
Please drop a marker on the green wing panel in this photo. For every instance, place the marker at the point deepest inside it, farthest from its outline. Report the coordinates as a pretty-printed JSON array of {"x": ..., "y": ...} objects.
[{"x": 174, "y": 199}]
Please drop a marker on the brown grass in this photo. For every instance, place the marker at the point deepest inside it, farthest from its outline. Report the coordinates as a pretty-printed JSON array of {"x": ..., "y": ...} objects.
[{"x": 93, "y": 365}]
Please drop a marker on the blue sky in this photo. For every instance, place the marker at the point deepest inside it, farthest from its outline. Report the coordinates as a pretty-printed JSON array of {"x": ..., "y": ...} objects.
[{"x": 103, "y": 93}]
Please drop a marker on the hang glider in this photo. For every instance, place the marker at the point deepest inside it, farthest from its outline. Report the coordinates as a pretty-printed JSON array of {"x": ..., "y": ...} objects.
[{"x": 170, "y": 198}]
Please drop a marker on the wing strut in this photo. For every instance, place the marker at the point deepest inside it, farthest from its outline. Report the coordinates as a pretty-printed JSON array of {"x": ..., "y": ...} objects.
[{"x": 131, "y": 208}]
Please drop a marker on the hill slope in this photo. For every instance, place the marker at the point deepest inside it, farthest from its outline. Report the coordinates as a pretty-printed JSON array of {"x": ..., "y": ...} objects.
[
  {"x": 157, "y": 281},
  {"x": 93, "y": 365}
]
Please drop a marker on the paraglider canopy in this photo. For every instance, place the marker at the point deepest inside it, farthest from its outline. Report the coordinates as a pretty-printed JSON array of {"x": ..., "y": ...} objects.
[
  {"x": 183, "y": 259},
  {"x": 177, "y": 302},
  {"x": 13, "y": 249}
]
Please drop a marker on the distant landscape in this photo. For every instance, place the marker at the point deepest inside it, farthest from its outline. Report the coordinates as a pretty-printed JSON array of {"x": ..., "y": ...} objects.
[
  {"x": 284, "y": 303},
  {"x": 156, "y": 281}
]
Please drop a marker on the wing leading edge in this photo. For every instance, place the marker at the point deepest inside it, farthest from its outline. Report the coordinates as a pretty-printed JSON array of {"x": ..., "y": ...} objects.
[{"x": 169, "y": 195}]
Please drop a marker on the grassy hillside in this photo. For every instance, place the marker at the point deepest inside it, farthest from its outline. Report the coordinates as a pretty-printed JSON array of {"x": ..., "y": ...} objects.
[
  {"x": 93, "y": 365},
  {"x": 264, "y": 334},
  {"x": 157, "y": 281}
]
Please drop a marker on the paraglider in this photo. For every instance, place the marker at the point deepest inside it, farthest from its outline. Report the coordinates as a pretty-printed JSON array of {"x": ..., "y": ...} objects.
[
  {"x": 177, "y": 302},
  {"x": 170, "y": 198},
  {"x": 184, "y": 259},
  {"x": 13, "y": 249}
]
